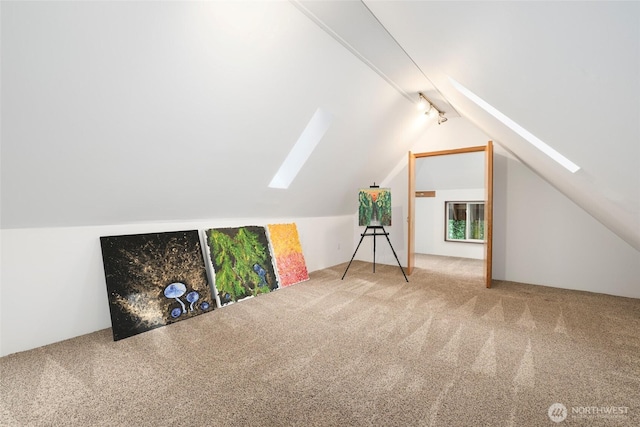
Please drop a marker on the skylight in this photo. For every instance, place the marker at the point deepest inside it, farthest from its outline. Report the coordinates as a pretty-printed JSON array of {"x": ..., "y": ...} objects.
[
  {"x": 302, "y": 149},
  {"x": 535, "y": 141}
]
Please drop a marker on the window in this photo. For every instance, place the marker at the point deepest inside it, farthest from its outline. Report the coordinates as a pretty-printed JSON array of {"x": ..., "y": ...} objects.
[
  {"x": 464, "y": 222},
  {"x": 531, "y": 138}
]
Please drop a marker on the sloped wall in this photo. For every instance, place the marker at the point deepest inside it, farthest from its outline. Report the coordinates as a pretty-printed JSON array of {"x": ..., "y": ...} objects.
[{"x": 121, "y": 112}]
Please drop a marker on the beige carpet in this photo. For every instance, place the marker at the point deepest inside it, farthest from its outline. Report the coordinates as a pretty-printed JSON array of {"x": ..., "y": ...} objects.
[
  {"x": 371, "y": 350},
  {"x": 468, "y": 269}
]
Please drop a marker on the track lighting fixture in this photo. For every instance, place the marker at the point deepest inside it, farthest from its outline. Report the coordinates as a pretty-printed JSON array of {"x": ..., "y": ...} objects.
[
  {"x": 422, "y": 103},
  {"x": 429, "y": 109}
]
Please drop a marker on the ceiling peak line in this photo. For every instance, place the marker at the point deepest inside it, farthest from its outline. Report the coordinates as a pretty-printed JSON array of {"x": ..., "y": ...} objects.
[
  {"x": 409, "y": 56},
  {"x": 351, "y": 49}
]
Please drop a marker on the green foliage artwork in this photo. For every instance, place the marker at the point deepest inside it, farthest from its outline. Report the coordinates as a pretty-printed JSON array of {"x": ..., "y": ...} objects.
[
  {"x": 375, "y": 207},
  {"x": 241, "y": 261}
]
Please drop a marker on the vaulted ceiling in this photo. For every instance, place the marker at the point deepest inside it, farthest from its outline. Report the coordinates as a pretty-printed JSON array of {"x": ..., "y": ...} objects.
[
  {"x": 116, "y": 112},
  {"x": 566, "y": 72}
]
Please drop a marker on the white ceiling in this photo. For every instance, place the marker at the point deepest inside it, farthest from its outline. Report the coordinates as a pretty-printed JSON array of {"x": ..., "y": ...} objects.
[
  {"x": 119, "y": 112},
  {"x": 568, "y": 72}
]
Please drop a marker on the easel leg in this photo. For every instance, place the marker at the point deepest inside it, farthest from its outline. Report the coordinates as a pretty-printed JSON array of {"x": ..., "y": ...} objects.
[
  {"x": 374, "y": 250},
  {"x": 394, "y": 253},
  {"x": 354, "y": 252}
]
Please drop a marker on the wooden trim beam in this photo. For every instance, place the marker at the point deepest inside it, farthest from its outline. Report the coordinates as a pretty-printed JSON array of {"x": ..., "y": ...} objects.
[
  {"x": 425, "y": 193},
  {"x": 452, "y": 151}
]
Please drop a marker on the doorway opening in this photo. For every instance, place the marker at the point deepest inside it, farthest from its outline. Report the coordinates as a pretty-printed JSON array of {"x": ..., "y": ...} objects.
[{"x": 487, "y": 225}]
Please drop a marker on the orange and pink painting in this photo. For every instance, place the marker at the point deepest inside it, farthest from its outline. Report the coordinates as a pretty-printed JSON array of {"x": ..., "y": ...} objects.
[{"x": 287, "y": 250}]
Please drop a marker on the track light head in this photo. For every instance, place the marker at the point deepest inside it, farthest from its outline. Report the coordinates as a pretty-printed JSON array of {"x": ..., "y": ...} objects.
[
  {"x": 423, "y": 102},
  {"x": 429, "y": 109}
]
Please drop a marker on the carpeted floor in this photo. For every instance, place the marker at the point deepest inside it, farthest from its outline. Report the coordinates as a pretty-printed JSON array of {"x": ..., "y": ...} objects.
[
  {"x": 467, "y": 269},
  {"x": 370, "y": 350}
]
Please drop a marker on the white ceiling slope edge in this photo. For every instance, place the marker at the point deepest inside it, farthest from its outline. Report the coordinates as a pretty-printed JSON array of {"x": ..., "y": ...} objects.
[
  {"x": 119, "y": 112},
  {"x": 544, "y": 65},
  {"x": 354, "y": 26}
]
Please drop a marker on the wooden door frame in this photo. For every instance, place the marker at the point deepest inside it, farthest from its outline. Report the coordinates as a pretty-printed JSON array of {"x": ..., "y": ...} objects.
[{"x": 488, "y": 184}]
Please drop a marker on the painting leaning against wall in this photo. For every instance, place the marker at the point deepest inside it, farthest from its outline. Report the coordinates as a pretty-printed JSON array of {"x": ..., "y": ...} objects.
[
  {"x": 287, "y": 251},
  {"x": 154, "y": 279},
  {"x": 374, "y": 207},
  {"x": 242, "y": 262}
]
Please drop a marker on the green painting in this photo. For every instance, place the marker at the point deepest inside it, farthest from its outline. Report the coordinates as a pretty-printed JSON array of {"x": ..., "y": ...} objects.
[
  {"x": 242, "y": 262},
  {"x": 375, "y": 207}
]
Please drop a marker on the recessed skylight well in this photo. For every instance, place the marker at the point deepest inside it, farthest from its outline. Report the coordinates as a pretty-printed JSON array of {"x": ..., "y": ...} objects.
[
  {"x": 302, "y": 149},
  {"x": 533, "y": 140}
]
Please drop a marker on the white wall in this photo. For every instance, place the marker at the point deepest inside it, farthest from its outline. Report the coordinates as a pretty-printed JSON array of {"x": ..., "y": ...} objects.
[
  {"x": 52, "y": 284},
  {"x": 540, "y": 236},
  {"x": 430, "y": 224}
]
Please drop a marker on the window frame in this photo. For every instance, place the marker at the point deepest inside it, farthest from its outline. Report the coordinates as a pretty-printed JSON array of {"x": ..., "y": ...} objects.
[{"x": 468, "y": 223}]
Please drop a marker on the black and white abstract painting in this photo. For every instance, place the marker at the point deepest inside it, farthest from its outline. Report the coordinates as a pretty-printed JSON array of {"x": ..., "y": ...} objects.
[{"x": 154, "y": 280}]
